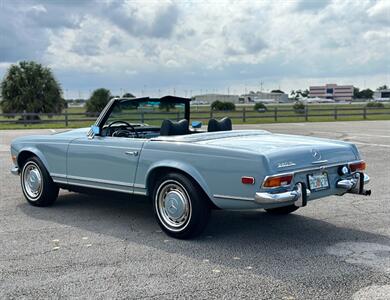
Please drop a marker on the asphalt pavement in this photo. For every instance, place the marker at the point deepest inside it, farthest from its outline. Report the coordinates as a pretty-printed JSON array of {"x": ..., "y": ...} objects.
[{"x": 111, "y": 247}]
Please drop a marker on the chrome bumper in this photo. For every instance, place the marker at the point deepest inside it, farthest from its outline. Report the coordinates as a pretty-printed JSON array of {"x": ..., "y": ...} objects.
[
  {"x": 297, "y": 195},
  {"x": 352, "y": 185},
  {"x": 15, "y": 170},
  {"x": 355, "y": 185}
]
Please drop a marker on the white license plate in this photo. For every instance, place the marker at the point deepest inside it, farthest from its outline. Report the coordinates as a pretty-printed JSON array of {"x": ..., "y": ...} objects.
[{"x": 318, "y": 181}]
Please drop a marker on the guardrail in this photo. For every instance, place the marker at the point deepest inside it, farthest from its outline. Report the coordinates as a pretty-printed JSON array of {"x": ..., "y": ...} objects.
[{"x": 244, "y": 114}]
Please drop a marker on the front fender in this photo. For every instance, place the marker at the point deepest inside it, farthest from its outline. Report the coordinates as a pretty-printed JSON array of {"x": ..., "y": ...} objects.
[
  {"x": 183, "y": 167},
  {"x": 36, "y": 152}
]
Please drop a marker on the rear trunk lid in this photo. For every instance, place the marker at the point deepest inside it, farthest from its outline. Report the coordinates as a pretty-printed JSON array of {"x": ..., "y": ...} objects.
[{"x": 283, "y": 152}]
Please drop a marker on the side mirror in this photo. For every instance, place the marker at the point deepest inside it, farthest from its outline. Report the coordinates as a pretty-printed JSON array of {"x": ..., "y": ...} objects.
[
  {"x": 95, "y": 130},
  {"x": 196, "y": 124}
]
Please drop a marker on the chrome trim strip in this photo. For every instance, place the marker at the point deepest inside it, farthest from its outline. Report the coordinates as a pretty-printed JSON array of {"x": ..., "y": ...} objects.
[
  {"x": 58, "y": 175},
  {"x": 59, "y": 181},
  {"x": 139, "y": 193},
  {"x": 319, "y": 162},
  {"x": 104, "y": 181},
  {"x": 233, "y": 197},
  {"x": 140, "y": 186},
  {"x": 100, "y": 187}
]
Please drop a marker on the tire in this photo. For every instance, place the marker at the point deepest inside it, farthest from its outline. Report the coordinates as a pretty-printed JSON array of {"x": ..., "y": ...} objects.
[
  {"x": 188, "y": 211},
  {"x": 37, "y": 186},
  {"x": 284, "y": 210}
]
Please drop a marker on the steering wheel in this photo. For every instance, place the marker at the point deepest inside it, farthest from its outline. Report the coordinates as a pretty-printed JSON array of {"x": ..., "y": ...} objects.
[{"x": 126, "y": 123}]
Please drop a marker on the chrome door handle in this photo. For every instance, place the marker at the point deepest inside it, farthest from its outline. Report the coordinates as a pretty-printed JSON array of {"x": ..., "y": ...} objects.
[{"x": 135, "y": 153}]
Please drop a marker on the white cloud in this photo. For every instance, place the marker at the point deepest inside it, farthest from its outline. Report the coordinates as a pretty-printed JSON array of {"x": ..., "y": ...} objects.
[{"x": 192, "y": 44}]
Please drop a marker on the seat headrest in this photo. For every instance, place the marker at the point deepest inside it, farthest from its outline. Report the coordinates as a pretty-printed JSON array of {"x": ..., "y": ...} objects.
[
  {"x": 224, "y": 124},
  {"x": 174, "y": 128}
]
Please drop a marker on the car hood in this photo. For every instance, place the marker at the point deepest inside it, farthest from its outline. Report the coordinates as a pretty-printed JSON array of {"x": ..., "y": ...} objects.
[{"x": 283, "y": 152}]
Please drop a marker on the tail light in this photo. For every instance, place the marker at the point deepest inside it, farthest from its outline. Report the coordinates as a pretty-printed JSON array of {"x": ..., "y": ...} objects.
[
  {"x": 357, "y": 166},
  {"x": 278, "y": 181}
]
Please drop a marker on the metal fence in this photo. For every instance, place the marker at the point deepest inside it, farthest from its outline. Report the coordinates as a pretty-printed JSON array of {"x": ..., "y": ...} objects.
[{"x": 243, "y": 114}]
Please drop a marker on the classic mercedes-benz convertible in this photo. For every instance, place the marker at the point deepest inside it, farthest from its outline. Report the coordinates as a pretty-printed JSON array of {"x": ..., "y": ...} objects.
[{"x": 185, "y": 171}]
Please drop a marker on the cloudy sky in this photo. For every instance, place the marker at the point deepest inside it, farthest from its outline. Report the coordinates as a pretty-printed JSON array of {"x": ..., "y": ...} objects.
[{"x": 188, "y": 47}]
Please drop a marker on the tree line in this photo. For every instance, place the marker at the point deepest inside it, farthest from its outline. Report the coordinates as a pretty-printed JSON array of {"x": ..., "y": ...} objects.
[{"x": 29, "y": 86}]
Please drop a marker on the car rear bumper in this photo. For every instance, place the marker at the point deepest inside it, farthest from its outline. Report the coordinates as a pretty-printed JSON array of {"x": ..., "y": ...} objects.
[{"x": 299, "y": 196}]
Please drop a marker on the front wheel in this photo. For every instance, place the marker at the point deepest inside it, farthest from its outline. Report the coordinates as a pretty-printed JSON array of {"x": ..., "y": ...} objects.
[
  {"x": 180, "y": 206},
  {"x": 37, "y": 185},
  {"x": 284, "y": 210}
]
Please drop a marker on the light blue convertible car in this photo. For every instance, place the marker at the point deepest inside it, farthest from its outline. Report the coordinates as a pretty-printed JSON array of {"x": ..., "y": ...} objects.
[{"x": 135, "y": 148}]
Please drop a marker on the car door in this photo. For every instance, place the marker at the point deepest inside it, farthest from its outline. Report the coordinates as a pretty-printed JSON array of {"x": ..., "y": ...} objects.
[{"x": 104, "y": 162}]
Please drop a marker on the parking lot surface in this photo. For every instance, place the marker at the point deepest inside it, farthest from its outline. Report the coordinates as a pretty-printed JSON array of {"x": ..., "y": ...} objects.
[{"x": 111, "y": 247}]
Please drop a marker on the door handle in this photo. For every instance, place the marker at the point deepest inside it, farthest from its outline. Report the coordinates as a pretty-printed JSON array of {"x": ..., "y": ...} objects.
[{"x": 134, "y": 153}]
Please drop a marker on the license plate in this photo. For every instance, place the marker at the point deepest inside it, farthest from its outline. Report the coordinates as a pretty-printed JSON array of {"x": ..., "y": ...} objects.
[{"x": 318, "y": 181}]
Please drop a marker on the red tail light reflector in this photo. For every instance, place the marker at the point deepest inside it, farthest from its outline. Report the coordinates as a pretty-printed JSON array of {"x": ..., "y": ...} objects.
[
  {"x": 357, "y": 166},
  {"x": 278, "y": 181},
  {"x": 247, "y": 180}
]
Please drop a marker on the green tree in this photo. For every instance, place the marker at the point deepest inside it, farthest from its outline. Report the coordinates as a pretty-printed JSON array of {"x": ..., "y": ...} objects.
[
  {"x": 260, "y": 107},
  {"x": 366, "y": 94},
  {"x": 98, "y": 100},
  {"x": 219, "y": 105},
  {"x": 128, "y": 95},
  {"x": 363, "y": 94},
  {"x": 277, "y": 91},
  {"x": 299, "y": 107},
  {"x": 31, "y": 87},
  {"x": 383, "y": 87},
  {"x": 167, "y": 106}
]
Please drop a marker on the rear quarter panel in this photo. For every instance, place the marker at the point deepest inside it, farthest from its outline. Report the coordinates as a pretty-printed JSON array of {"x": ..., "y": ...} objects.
[{"x": 217, "y": 170}]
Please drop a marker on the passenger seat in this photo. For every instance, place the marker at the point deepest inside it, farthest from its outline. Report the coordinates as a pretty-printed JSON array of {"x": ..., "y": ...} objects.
[
  {"x": 224, "y": 124},
  {"x": 174, "y": 128}
]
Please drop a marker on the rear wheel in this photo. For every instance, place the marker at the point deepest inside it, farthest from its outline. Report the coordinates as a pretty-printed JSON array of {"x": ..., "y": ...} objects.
[
  {"x": 37, "y": 185},
  {"x": 180, "y": 206},
  {"x": 284, "y": 210}
]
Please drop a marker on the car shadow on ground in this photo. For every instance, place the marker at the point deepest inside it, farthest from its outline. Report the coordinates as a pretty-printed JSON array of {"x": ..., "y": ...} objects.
[{"x": 277, "y": 245}]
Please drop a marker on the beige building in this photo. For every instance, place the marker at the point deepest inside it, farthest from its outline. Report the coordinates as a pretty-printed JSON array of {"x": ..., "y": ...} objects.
[
  {"x": 332, "y": 91},
  {"x": 210, "y": 98},
  {"x": 266, "y": 97}
]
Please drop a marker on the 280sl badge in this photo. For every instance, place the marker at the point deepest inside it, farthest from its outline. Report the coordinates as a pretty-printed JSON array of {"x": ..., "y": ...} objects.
[{"x": 286, "y": 164}]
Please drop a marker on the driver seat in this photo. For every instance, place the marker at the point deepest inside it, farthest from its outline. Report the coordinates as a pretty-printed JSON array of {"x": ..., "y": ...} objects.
[{"x": 169, "y": 127}]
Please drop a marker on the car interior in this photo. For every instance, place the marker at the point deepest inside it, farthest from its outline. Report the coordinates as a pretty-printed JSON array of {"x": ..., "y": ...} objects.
[
  {"x": 168, "y": 128},
  {"x": 120, "y": 119}
]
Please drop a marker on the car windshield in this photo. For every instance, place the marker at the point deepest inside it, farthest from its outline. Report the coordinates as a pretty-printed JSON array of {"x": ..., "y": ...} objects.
[{"x": 141, "y": 113}]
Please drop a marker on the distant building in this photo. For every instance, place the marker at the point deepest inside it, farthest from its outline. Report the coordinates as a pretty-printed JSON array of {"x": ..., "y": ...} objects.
[
  {"x": 382, "y": 95},
  {"x": 210, "y": 98},
  {"x": 265, "y": 97},
  {"x": 332, "y": 91}
]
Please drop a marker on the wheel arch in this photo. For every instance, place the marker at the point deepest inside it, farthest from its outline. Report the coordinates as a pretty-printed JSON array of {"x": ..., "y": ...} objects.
[
  {"x": 26, "y": 153},
  {"x": 157, "y": 170}
]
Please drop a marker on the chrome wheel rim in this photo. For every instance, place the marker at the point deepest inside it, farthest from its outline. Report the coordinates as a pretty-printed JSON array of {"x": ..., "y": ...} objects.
[
  {"x": 32, "y": 181},
  {"x": 173, "y": 205}
]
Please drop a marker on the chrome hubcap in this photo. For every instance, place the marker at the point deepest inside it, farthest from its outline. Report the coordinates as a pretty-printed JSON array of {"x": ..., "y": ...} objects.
[
  {"x": 173, "y": 205},
  {"x": 32, "y": 181}
]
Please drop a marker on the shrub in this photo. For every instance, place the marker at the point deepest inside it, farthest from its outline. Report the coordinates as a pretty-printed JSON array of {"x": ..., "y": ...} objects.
[
  {"x": 299, "y": 107},
  {"x": 98, "y": 100},
  {"x": 375, "y": 104},
  {"x": 29, "y": 86},
  {"x": 260, "y": 107},
  {"x": 223, "y": 106}
]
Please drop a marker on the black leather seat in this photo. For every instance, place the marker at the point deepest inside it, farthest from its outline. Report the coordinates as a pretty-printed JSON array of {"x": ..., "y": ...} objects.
[
  {"x": 225, "y": 124},
  {"x": 174, "y": 128}
]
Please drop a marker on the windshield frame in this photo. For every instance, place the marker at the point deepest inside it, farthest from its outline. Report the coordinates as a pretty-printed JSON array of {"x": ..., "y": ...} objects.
[{"x": 105, "y": 114}]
